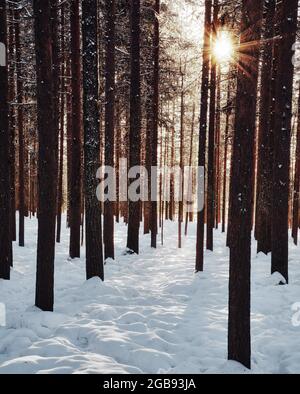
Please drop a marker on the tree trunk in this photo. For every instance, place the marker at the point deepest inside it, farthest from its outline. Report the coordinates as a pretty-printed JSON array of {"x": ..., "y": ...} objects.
[
  {"x": 155, "y": 110},
  {"x": 135, "y": 124},
  {"x": 181, "y": 160},
  {"x": 217, "y": 153},
  {"x": 203, "y": 128},
  {"x": 47, "y": 158},
  {"x": 172, "y": 182},
  {"x": 56, "y": 67},
  {"x": 75, "y": 192},
  {"x": 118, "y": 133},
  {"x": 69, "y": 141},
  {"x": 164, "y": 202},
  {"x": 296, "y": 182},
  {"x": 62, "y": 128},
  {"x": 12, "y": 125},
  {"x": 211, "y": 142},
  {"x": 94, "y": 250},
  {"x": 239, "y": 346},
  {"x": 5, "y": 234},
  {"x": 21, "y": 191},
  {"x": 109, "y": 121},
  {"x": 147, "y": 204},
  {"x": 287, "y": 20},
  {"x": 265, "y": 154},
  {"x": 190, "y": 179},
  {"x": 226, "y": 144}
]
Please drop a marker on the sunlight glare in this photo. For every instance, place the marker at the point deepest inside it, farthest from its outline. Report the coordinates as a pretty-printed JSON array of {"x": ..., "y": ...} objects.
[{"x": 223, "y": 47}]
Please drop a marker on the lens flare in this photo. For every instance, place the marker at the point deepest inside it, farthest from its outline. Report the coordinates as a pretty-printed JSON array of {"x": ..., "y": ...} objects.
[{"x": 223, "y": 47}]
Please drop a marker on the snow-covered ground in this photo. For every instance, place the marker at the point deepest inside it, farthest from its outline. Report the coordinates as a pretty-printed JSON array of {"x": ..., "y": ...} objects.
[{"x": 153, "y": 314}]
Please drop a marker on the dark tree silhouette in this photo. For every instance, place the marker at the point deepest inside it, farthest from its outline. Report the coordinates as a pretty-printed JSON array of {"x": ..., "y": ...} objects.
[
  {"x": 203, "y": 128},
  {"x": 110, "y": 11},
  {"x": 155, "y": 110},
  {"x": 5, "y": 235},
  {"x": 94, "y": 251},
  {"x": 47, "y": 157},
  {"x": 135, "y": 124},
  {"x": 296, "y": 190},
  {"x": 287, "y": 24},
  {"x": 75, "y": 192},
  {"x": 21, "y": 189},
  {"x": 239, "y": 347},
  {"x": 211, "y": 140},
  {"x": 265, "y": 140}
]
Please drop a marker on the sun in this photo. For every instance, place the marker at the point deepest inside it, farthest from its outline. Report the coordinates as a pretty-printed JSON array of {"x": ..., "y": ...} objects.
[{"x": 223, "y": 47}]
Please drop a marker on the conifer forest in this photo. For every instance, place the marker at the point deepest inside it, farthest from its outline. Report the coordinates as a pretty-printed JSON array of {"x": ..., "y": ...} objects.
[{"x": 149, "y": 188}]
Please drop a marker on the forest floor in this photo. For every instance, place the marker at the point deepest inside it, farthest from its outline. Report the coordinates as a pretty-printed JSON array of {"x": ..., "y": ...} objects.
[{"x": 153, "y": 314}]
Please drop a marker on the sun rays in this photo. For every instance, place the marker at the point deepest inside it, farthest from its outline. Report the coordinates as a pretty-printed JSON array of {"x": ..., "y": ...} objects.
[{"x": 223, "y": 48}]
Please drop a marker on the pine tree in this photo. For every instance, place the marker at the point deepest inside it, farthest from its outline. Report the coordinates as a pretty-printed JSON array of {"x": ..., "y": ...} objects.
[
  {"x": 181, "y": 153},
  {"x": 239, "y": 346},
  {"x": 265, "y": 142},
  {"x": 75, "y": 192},
  {"x": 211, "y": 139},
  {"x": 155, "y": 113},
  {"x": 226, "y": 149},
  {"x": 94, "y": 250},
  {"x": 47, "y": 157},
  {"x": 12, "y": 125},
  {"x": 296, "y": 190},
  {"x": 21, "y": 137},
  {"x": 135, "y": 124},
  {"x": 110, "y": 11},
  {"x": 203, "y": 128},
  {"x": 286, "y": 18},
  {"x": 62, "y": 124},
  {"x": 5, "y": 235}
]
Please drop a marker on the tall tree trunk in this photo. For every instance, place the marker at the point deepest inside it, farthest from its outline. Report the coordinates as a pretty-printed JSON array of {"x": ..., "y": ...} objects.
[
  {"x": 47, "y": 157},
  {"x": 75, "y": 192},
  {"x": 62, "y": 126},
  {"x": 226, "y": 144},
  {"x": 181, "y": 160},
  {"x": 190, "y": 179},
  {"x": 69, "y": 141},
  {"x": 239, "y": 343},
  {"x": 94, "y": 249},
  {"x": 161, "y": 143},
  {"x": 296, "y": 185},
  {"x": 164, "y": 174},
  {"x": 135, "y": 124},
  {"x": 147, "y": 204},
  {"x": 155, "y": 110},
  {"x": 172, "y": 181},
  {"x": 109, "y": 121},
  {"x": 5, "y": 234},
  {"x": 118, "y": 133},
  {"x": 203, "y": 128},
  {"x": 211, "y": 142},
  {"x": 21, "y": 190},
  {"x": 265, "y": 154},
  {"x": 218, "y": 152},
  {"x": 56, "y": 66},
  {"x": 12, "y": 124},
  {"x": 287, "y": 20}
]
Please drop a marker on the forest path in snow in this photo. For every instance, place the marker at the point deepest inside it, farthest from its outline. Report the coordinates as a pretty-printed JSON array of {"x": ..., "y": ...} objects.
[{"x": 152, "y": 314}]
